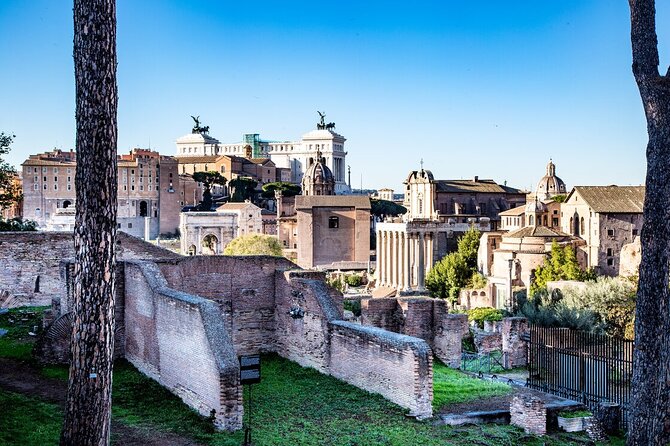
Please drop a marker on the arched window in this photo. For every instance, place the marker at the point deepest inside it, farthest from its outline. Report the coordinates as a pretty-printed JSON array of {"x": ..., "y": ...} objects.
[
  {"x": 575, "y": 226},
  {"x": 582, "y": 225},
  {"x": 531, "y": 220},
  {"x": 66, "y": 204}
]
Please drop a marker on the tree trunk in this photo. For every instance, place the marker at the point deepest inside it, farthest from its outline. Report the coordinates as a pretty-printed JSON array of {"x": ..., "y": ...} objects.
[
  {"x": 87, "y": 416},
  {"x": 649, "y": 409}
]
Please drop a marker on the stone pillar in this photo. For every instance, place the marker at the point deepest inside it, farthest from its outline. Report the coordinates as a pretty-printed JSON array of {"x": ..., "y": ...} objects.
[
  {"x": 448, "y": 333},
  {"x": 396, "y": 259},
  {"x": 529, "y": 413},
  {"x": 198, "y": 244},
  {"x": 387, "y": 259},
  {"x": 392, "y": 249},
  {"x": 412, "y": 250},
  {"x": 421, "y": 273},
  {"x": 380, "y": 258},
  {"x": 405, "y": 263},
  {"x": 401, "y": 262},
  {"x": 514, "y": 346}
]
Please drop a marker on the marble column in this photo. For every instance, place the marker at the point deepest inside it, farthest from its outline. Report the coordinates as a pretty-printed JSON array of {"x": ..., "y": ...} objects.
[
  {"x": 405, "y": 263},
  {"x": 387, "y": 259},
  {"x": 421, "y": 273},
  {"x": 380, "y": 258}
]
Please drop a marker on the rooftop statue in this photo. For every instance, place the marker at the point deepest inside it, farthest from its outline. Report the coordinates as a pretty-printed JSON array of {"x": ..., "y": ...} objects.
[{"x": 197, "y": 128}]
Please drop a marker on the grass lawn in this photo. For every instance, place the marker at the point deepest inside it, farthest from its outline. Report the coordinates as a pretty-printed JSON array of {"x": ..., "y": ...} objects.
[
  {"x": 452, "y": 386},
  {"x": 292, "y": 406},
  {"x": 17, "y": 343}
]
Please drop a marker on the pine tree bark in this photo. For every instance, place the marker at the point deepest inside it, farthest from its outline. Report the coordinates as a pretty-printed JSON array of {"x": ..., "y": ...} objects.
[
  {"x": 87, "y": 416},
  {"x": 649, "y": 408}
]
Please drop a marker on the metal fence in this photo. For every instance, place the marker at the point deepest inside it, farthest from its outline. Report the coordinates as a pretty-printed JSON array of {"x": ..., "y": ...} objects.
[
  {"x": 581, "y": 366},
  {"x": 492, "y": 362}
]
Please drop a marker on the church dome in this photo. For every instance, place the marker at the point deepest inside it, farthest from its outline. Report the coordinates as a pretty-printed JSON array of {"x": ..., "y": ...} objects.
[
  {"x": 550, "y": 184},
  {"x": 318, "y": 172},
  {"x": 318, "y": 179}
]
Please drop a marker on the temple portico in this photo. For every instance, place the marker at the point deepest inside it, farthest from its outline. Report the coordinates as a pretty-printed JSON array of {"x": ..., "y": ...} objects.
[{"x": 406, "y": 252}]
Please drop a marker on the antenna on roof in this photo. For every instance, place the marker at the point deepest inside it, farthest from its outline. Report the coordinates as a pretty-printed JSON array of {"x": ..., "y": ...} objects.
[{"x": 421, "y": 163}]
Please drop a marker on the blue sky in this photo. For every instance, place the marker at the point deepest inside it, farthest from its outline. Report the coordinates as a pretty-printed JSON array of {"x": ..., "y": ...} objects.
[{"x": 485, "y": 88}]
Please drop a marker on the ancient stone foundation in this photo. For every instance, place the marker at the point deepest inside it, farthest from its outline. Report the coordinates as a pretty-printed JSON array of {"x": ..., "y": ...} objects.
[
  {"x": 422, "y": 317},
  {"x": 514, "y": 345},
  {"x": 185, "y": 321},
  {"x": 529, "y": 413}
]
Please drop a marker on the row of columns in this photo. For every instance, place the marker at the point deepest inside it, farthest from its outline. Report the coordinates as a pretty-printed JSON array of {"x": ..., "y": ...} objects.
[{"x": 404, "y": 258}]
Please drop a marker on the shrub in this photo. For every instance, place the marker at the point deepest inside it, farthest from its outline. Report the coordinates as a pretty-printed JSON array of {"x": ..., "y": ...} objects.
[
  {"x": 335, "y": 282},
  {"x": 254, "y": 244},
  {"x": 479, "y": 315},
  {"x": 354, "y": 280},
  {"x": 353, "y": 305}
]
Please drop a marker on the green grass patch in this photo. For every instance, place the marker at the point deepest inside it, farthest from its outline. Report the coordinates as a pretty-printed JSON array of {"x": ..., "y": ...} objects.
[
  {"x": 28, "y": 421},
  {"x": 452, "y": 386},
  {"x": 17, "y": 343},
  {"x": 575, "y": 414}
]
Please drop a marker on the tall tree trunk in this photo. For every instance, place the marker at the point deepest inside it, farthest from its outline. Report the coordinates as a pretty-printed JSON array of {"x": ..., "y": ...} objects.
[
  {"x": 87, "y": 416},
  {"x": 650, "y": 417}
]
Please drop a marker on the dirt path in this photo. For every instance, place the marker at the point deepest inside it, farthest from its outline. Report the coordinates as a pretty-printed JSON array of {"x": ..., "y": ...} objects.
[{"x": 19, "y": 377}]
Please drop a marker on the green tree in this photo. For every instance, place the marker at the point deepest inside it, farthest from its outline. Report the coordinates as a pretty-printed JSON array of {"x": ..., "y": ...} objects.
[
  {"x": 208, "y": 179},
  {"x": 9, "y": 193},
  {"x": 560, "y": 265},
  {"x": 254, "y": 245},
  {"x": 456, "y": 270},
  {"x": 287, "y": 189},
  {"x": 385, "y": 208},
  {"x": 17, "y": 224},
  {"x": 243, "y": 189}
]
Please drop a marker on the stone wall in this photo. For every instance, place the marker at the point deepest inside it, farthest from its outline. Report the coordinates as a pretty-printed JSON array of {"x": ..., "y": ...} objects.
[
  {"x": 30, "y": 264},
  {"x": 422, "y": 317},
  {"x": 529, "y": 413},
  {"x": 181, "y": 341},
  {"x": 396, "y": 366},
  {"x": 515, "y": 348}
]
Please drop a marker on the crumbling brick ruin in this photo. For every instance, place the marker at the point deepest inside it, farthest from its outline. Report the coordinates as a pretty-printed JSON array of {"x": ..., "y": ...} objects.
[
  {"x": 421, "y": 317},
  {"x": 184, "y": 321}
]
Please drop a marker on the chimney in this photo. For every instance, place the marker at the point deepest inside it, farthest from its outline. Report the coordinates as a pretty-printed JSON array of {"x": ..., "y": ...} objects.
[{"x": 476, "y": 178}]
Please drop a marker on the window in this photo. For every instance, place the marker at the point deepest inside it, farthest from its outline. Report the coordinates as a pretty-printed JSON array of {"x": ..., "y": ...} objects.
[
  {"x": 45, "y": 187},
  {"x": 44, "y": 179},
  {"x": 610, "y": 232},
  {"x": 34, "y": 169},
  {"x": 69, "y": 187},
  {"x": 69, "y": 179},
  {"x": 609, "y": 252},
  {"x": 634, "y": 232},
  {"x": 130, "y": 225},
  {"x": 118, "y": 226},
  {"x": 132, "y": 187},
  {"x": 36, "y": 186},
  {"x": 36, "y": 179},
  {"x": 333, "y": 222},
  {"x": 55, "y": 178},
  {"x": 610, "y": 262},
  {"x": 55, "y": 186},
  {"x": 44, "y": 170},
  {"x": 55, "y": 169}
]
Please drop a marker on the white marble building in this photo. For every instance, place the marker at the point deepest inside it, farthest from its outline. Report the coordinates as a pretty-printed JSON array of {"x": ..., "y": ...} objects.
[{"x": 295, "y": 155}]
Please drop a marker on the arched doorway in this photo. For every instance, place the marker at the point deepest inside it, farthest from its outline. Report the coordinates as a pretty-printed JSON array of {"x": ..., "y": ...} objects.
[
  {"x": 210, "y": 244},
  {"x": 143, "y": 209}
]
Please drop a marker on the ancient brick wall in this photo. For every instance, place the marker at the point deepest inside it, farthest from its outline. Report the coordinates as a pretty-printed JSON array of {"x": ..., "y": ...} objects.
[
  {"x": 382, "y": 312},
  {"x": 418, "y": 317},
  {"x": 180, "y": 340},
  {"x": 515, "y": 348},
  {"x": 422, "y": 317},
  {"x": 396, "y": 366},
  {"x": 244, "y": 289},
  {"x": 304, "y": 308},
  {"x": 30, "y": 264},
  {"x": 448, "y": 334},
  {"x": 529, "y": 413}
]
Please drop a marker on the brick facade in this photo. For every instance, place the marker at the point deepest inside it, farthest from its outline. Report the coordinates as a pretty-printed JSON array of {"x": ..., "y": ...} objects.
[{"x": 529, "y": 413}]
